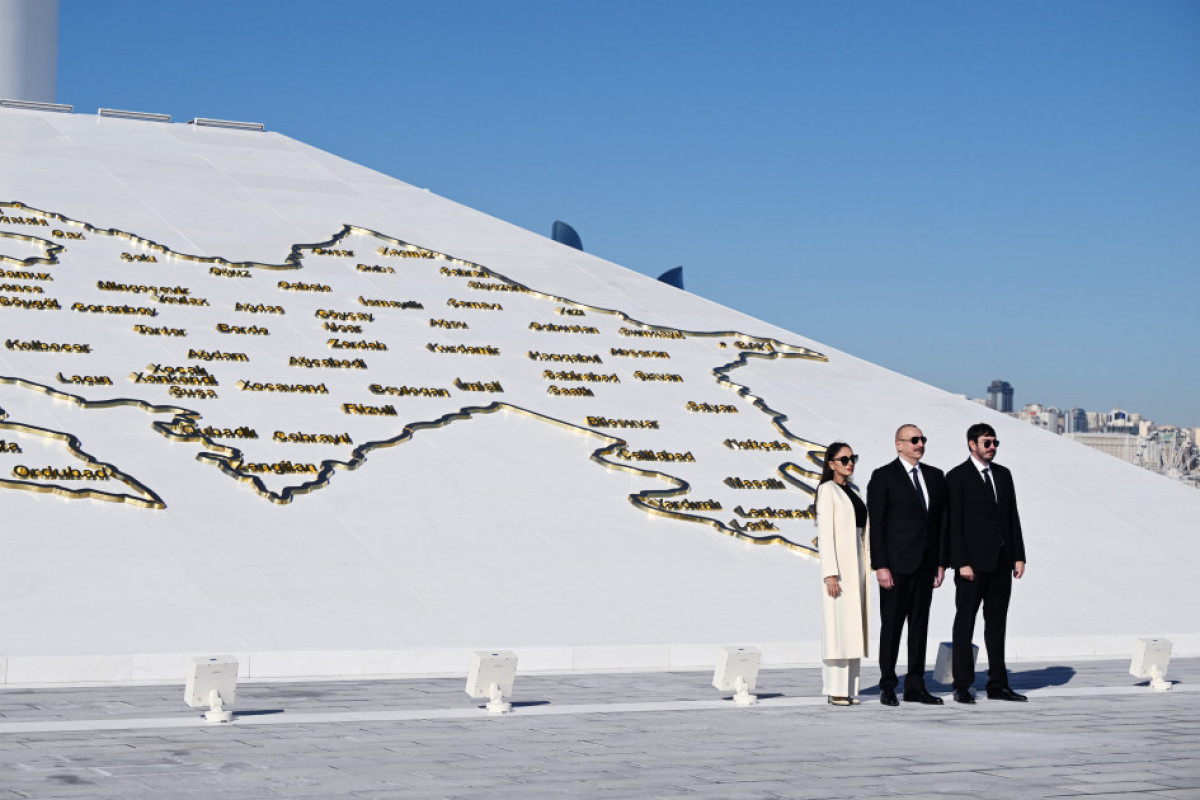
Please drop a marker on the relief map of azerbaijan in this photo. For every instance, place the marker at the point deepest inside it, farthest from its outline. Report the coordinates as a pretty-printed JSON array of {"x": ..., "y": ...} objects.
[{"x": 285, "y": 376}]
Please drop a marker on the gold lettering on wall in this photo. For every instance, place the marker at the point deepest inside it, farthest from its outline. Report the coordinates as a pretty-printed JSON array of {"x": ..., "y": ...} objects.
[
  {"x": 409, "y": 391},
  {"x": 288, "y": 286},
  {"x": 572, "y": 358},
  {"x": 552, "y": 328},
  {"x": 478, "y": 386},
  {"x": 474, "y": 306},
  {"x": 752, "y": 444},
  {"x": 253, "y": 330},
  {"x": 49, "y": 304},
  {"x": 651, "y": 334},
  {"x": 742, "y": 483},
  {"x": 575, "y": 391},
  {"x": 707, "y": 408},
  {"x": 370, "y": 411},
  {"x": 618, "y": 351},
  {"x": 605, "y": 422},
  {"x": 36, "y": 346}
]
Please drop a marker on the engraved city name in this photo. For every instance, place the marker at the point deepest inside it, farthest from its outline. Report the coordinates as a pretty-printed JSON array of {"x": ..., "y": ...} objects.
[
  {"x": 651, "y": 334},
  {"x": 369, "y": 411},
  {"x": 216, "y": 355},
  {"x": 653, "y": 455},
  {"x": 344, "y": 316},
  {"x": 463, "y": 349},
  {"x": 478, "y": 386},
  {"x": 139, "y": 288},
  {"x": 375, "y": 302},
  {"x": 409, "y": 391},
  {"x": 473, "y": 305},
  {"x": 300, "y": 437},
  {"x": 288, "y": 286},
  {"x": 324, "y": 251},
  {"x": 455, "y": 272},
  {"x": 776, "y": 513},
  {"x": 86, "y": 380},
  {"x": 147, "y": 330},
  {"x": 571, "y": 358},
  {"x": 253, "y": 330},
  {"x": 552, "y": 328},
  {"x": 258, "y": 308},
  {"x": 131, "y": 310},
  {"x": 605, "y": 422},
  {"x": 287, "y": 388},
  {"x": 574, "y": 391},
  {"x": 375, "y": 268},
  {"x": 571, "y": 375},
  {"x": 37, "y": 346},
  {"x": 225, "y": 272},
  {"x": 354, "y": 344},
  {"x": 766, "y": 483},
  {"x": 753, "y": 444},
  {"x": 448, "y": 323},
  {"x": 620, "y": 351},
  {"x": 711, "y": 408},
  {"x": 49, "y": 304},
  {"x": 669, "y": 377},
  {"x": 61, "y": 473},
  {"x": 327, "y": 363}
]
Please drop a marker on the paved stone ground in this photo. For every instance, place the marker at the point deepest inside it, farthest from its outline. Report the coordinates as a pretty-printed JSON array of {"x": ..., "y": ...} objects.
[{"x": 1086, "y": 731}]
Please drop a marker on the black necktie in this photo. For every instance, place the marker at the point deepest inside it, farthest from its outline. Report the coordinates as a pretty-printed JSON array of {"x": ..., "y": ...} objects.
[
  {"x": 987, "y": 478},
  {"x": 916, "y": 475}
]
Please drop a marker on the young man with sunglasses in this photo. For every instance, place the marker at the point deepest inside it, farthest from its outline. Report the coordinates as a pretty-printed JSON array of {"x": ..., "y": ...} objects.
[
  {"x": 907, "y": 504},
  {"x": 985, "y": 547}
]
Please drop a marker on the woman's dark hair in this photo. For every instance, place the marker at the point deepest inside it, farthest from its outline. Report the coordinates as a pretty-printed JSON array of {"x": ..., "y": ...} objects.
[{"x": 830, "y": 452}]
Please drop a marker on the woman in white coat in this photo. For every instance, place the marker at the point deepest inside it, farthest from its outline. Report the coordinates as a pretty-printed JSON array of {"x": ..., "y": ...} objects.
[{"x": 843, "y": 539}]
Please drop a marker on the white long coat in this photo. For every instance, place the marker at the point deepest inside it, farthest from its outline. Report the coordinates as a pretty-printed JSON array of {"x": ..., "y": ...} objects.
[{"x": 847, "y": 619}]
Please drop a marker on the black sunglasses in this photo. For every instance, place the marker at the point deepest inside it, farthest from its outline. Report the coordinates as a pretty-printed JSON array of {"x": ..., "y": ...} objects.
[
  {"x": 914, "y": 440},
  {"x": 846, "y": 460},
  {"x": 989, "y": 442}
]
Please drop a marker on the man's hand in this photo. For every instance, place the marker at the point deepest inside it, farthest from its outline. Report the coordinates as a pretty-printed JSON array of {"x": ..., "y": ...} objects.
[
  {"x": 941, "y": 576},
  {"x": 884, "y": 576},
  {"x": 967, "y": 573},
  {"x": 832, "y": 586},
  {"x": 1018, "y": 569}
]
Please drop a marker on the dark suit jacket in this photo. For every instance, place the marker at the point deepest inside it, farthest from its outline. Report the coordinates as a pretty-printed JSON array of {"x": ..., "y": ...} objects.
[
  {"x": 976, "y": 523},
  {"x": 901, "y": 531}
]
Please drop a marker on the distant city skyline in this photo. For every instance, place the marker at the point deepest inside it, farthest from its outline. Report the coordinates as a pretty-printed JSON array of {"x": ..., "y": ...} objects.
[{"x": 953, "y": 191}]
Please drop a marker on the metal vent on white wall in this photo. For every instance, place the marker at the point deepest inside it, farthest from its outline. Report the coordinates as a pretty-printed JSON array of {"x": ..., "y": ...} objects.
[
  {"x": 228, "y": 123},
  {"x": 142, "y": 115},
  {"x": 33, "y": 105}
]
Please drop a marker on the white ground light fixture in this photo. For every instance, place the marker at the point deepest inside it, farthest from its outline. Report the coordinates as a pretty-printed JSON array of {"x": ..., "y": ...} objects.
[
  {"x": 491, "y": 676},
  {"x": 212, "y": 684},
  {"x": 737, "y": 672},
  {"x": 1150, "y": 660},
  {"x": 943, "y": 668}
]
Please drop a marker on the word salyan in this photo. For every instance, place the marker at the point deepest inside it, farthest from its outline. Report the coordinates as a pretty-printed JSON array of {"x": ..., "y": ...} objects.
[{"x": 347, "y": 359}]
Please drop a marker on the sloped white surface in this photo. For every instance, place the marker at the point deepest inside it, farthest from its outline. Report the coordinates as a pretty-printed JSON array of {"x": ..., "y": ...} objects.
[{"x": 493, "y": 531}]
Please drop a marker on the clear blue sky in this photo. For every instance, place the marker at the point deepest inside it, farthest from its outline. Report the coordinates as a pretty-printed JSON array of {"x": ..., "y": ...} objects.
[{"x": 959, "y": 191}]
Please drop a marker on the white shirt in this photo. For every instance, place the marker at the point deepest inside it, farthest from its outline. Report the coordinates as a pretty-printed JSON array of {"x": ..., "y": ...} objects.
[{"x": 909, "y": 468}]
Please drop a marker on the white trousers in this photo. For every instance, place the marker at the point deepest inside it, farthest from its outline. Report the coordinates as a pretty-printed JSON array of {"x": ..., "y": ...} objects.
[{"x": 840, "y": 677}]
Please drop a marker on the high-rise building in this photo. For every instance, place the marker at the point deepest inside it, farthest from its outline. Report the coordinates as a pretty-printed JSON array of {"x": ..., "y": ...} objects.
[
  {"x": 1000, "y": 396},
  {"x": 1077, "y": 421}
]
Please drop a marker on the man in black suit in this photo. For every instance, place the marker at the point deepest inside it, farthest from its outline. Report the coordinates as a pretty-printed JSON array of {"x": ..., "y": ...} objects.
[
  {"x": 907, "y": 502},
  {"x": 984, "y": 544}
]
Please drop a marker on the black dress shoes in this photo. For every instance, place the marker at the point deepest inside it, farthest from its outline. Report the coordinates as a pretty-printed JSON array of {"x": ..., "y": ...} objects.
[
  {"x": 1005, "y": 693},
  {"x": 964, "y": 696},
  {"x": 888, "y": 697},
  {"x": 921, "y": 696}
]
